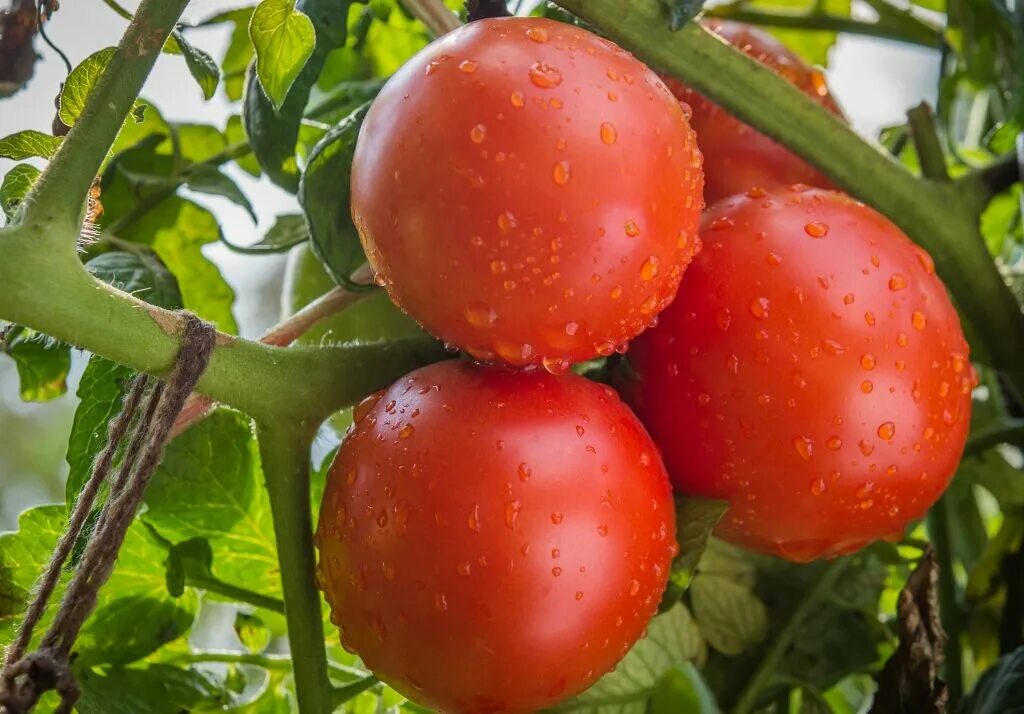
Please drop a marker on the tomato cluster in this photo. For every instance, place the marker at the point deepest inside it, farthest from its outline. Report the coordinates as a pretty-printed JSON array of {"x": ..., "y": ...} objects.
[{"x": 495, "y": 534}]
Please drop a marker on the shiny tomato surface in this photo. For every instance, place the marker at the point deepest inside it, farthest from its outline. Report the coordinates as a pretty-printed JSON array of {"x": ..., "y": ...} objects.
[
  {"x": 812, "y": 371},
  {"x": 528, "y": 192},
  {"x": 493, "y": 540},
  {"x": 737, "y": 156}
]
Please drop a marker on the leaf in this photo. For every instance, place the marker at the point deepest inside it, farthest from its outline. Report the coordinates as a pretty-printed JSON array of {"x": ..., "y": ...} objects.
[
  {"x": 673, "y": 640},
  {"x": 681, "y": 12},
  {"x": 992, "y": 472},
  {"x": 1001, "y": 689},
  {"x": 79, "y": 84},
  {"x": 210, "y": 485},
  {"x": 177, "y": 230},
  {"x": 287, "y": 232},
  {"x": 140, "y": 274},
  {"x": 134, "y": 615},
  {"x": 812, "y": 45},
  {"x": 284, "y": 39},
  {"x": 155, "y": 689},
  {"x": 42, "y": 363},
  {"x": 204, "y": 70},
  {"x": 342, "y": 99},
  {"x": 212, "y": 181},
  {"x": 909, "y": 683},
  {"x": 234, "y": 132},
  {"x": 239, "y": 51},
  {"x": 16, "y": 185},
  {"x": 324, "y": 195},
  {"x": 696, "y": 518},
  {"x": 683, "y": 691},
  {"x": 28, "y": 144},
  {"x": 274, "y": 130},
  {"x": 730, "y": 616}
]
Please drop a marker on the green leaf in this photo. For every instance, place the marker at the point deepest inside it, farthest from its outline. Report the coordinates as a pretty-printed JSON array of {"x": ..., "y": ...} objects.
[
  {"x": 1001, "y": 220},
  {"x": 274, "y": 130},
  {"x": 155, "y": 689},
  {"x": 210, "y": 486},
  {"x": 234, "y": 132},
  {"x": 730, "y": 616},
  {"x": 42, "y": 363},
  {"x": 177, "y": 230},
  {"x": 324, "y": 195},
  {"x": 28, "y": 144},
  {"x": 696, "y": 518},
  {"x": 284, "y": 39},
  {"x": 673, "y": 640},
  {"x": 342, "y": 99},
  {"x": 683, "y": 691},
  {"x": 212, "y": 181},
  {"x": 204, "y": 70},
  {"x": 681, "y": 12},
  {"x": 812, "y": 45},
  {"x": 134, "y": 615},
  {"x": 287, "y": 232},
  {"x": 239, "y": 52},
  {"x": 140, "y": 274},
  {"x": 992, "y": 472},
  {"x": 79, "y": 84},
  {"x": 1001, "y": 689},
  {"x": 16, "y": 185}
]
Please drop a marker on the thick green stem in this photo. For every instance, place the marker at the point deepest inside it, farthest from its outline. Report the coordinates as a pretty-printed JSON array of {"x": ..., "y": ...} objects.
[
  {"x": 58, "y": 195},
  {"x": 765, "y": 672},
  {"x": 930, "y": 155},
  {"x": 284, "y": 449},
  {"x": 949, "y": 600},
  {"x": 907, "y": 29},
  {"x": 941, "y": 217}
]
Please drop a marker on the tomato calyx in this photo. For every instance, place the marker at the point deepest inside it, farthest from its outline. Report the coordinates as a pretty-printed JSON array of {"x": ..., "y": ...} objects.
[{"x": 481, "y": 9}]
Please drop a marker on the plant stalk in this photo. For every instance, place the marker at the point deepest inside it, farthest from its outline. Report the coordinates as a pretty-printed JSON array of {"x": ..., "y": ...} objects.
[{"x": 937, "y": 522}]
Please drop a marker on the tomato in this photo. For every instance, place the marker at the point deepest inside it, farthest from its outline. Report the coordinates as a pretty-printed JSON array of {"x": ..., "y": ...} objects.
[
  {"x": 528, "y": 192},
  {"x": 737, "y": 156},
  {"x": 494, "y": 540},
  {"x": 372, "y": 318},
  {"x": 812, "y": 371}
]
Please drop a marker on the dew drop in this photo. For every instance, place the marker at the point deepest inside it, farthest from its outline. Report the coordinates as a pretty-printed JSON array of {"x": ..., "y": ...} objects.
[
  {"x": 866, "y": 446},
  {"x": 468, "y": 66},
  {"x": 406, "y": 431},
  {"x": 649, "y": 269},
  {"x": 866, "y": 386},
  {"x": 512, "y": 509},
  {"x": 616, "y": 292},
  {"x": 537, "y": 34},
  {"x": 867, "y": 361},
  {"x": 832, "y": 347},
  {"x": 555, "y": 365},
  {"x": 440, "y": 602},
  {"x": 609, "y": 135},
  {"x": 816, "y": 229},
  {"x": 804, "y": 447},
  {"x": 634, "y": 587},
  {"x": 897, "y": 282},
  {"x": 818, "y": 486},
  {"x": 556, "y": 571},
  {"x": 479, "y": 315},
  {"x": 506, "y": 222},
  {"x": 918, "y": 320},
  {"x": 759, "y": 307},
  {"x": 517, "y": 99},
  {"x": 478, "y": 133},
  {"x": 545, "y": 76},
  {"x": 562, "y": 173},
  {"x": 886, "y": 430},
  {"x": 834, "y": 443},
  {"x": 632, "y": 229},
  {"x": 473, "y": 521}
]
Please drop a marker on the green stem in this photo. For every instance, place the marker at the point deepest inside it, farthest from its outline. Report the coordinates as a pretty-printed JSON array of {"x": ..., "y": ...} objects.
[
  {"x": 58, "y": 195},
  {"x": 354, "y": 689},
  {"x": 1008, "y": 431},
  {"x": 235, "y": 593},
  {"x": 276, "y": 663},
  {"x": 300, "y": 384},
  {"x": 765, "y": 672},
  {"x": 285, "y": 453},
  {"x": 949, "y": 605},
  {"x": 926, "y": 142},
  {"x": 941, "y": 217},
  {"x": 118, "y": 9},
  {"x": 912, "y": 30}
]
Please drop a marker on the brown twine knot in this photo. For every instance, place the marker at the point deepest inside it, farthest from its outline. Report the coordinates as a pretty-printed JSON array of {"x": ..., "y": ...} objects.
[{"x": 149, "y": 411}]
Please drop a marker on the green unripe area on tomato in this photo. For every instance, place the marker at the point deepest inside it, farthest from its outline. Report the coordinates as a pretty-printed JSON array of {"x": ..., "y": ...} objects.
[
  {"x": 812, "y": 371},
  {"x": 372, "y": 318},
  {"x": 494, "y": 540}
]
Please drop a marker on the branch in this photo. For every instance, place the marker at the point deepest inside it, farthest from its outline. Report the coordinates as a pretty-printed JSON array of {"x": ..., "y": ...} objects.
[
  {"x": 58, "y": 195},
  {"x": 235, "y": 593},
  {"x": 765, "y": 671},
  {"x": 1008, "y": 431},
  {"x": 938, "y": 525},
  {"x": 941, "y": 218},
  {"x": 921, "y": 122},
  {"x": 433, "y": 13},
  {"x": 913, "y": 31},
  {"x": 284, "y": 450}
]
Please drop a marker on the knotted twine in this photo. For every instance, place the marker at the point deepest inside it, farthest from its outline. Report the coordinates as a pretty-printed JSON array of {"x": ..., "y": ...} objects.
[{"x": 143, "y": 425}]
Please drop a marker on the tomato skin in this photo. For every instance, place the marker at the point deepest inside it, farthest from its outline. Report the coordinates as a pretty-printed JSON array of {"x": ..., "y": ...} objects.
[
  {"x": 737, "y": 156},
  {"x": 528, "y": 192},
  {"x": 493, "y": 540},
  {"x": 812, "y": 371}
]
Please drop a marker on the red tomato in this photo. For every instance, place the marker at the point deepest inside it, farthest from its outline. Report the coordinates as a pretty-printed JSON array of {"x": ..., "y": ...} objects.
[
  {"x": 493, "y": 540},
  {"x": 737, "y": 156},
  {"x": 528, "y": 192},
  {"x": 812, "y": 371}
]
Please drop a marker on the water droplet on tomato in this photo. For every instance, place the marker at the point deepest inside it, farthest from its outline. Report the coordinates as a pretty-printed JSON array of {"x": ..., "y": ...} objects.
[
  {"x": 804, "y": 446},
  {"x": 562, "y": 173},
  {"x": 816, "y": 229},
  {"x": 649, "y": 269},
  {"x": 468, "y": 66},
  {"x": 545, "y": 76},
  {"x": 897, "y": 282},
  {"x": 609, "y": 134},
  {"x": 479, "y": 315},
  {"x": 478, "y": 133},
  {"x": 759, "y": 307}
]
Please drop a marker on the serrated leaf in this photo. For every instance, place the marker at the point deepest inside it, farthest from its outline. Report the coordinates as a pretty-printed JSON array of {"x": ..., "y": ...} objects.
[
  {"x": 177, "y": 230},
  {"x": 274, "y": 131},
  {"x": 730, "y": 616},
  {"x": 673, "y": 640},
  {"x": 202, "y": 67},
  {"x": 324, "y": 195},
  {"x": 210, "y": 486},
  {"x": 212, "y": 181},
  {"x": 79, "y": 84},
  {"x": 134, "y": 615},
  {"x": 16, "y": 185},
  {"x": 286, "y": 233},
  {"x": 155, "y": 689},
  {"x": 696, "y": 518},
  {"x": 42, "y": 363},
  {"x": 283, "y": 38},
  {"x": 28, "y": 144}
]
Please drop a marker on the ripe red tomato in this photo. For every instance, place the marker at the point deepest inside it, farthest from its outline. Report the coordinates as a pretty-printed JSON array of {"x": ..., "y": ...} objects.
[
  {"x": 812, "y": 371},
  {"x": 528, "y": 192},
  {"x": 493, "y": 540},
  {"x": 737, "y": 156}
]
